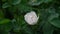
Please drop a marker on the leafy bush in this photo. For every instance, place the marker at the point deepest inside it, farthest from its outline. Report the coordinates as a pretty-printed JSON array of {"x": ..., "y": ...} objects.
[{"x": 12, "y": 16}]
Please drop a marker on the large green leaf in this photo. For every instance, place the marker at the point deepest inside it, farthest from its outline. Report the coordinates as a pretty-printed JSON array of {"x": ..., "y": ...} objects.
[
  {"x": 55, "y": 22},
  {"x": 54, "y": 19},
  {"x": 52, "y": 16}
]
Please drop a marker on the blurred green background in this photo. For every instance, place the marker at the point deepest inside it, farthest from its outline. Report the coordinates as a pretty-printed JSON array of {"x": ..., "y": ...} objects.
[{"x": 12, "y": 16}]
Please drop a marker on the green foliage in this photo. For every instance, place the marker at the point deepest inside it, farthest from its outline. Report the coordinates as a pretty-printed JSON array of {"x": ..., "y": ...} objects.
[{"x": 13, "y": 11}]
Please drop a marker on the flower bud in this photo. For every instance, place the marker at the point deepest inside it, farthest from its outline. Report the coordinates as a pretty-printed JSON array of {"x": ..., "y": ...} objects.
[{"x": 31, "y": 18}]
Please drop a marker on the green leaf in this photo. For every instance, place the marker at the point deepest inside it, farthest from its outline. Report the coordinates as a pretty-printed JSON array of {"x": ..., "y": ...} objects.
[
  {"x": 15, "y": 2},
  {"x": 24, "y": 8},
  {"x": 4, "y": 21},
  {"x": 48, "y": 29},
  {"x": 4, "y": 0},
  {"x": 52, "y": 16},
  {"x": 38, "y": 2},
  {"x": 55, "y": 22},
  {"x": 6, "y": 27},
  {"x": 35, "y": 2},
  {"x": 54, "y": 19},
  {"x": 46, "y": 1},
  {"x": 5, "y": 5},
  {"x": 1, "y": 14}
]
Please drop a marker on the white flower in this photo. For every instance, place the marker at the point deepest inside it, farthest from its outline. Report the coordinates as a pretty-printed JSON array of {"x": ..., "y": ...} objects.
[{"x": 31, "y": 18}]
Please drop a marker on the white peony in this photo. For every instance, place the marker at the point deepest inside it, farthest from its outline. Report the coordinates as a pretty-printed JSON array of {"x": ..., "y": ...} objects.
[{"x": 31, "y": 18}]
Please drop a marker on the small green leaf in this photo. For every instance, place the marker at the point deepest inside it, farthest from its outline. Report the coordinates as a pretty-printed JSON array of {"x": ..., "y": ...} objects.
[
  {"x": 3, "y": 21},
  {"x": 15, "y": 2},
  {"x": 1, "y": 14},
  {"x": 35, "y": 2},
  {"x": 5, "y": 5}
]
